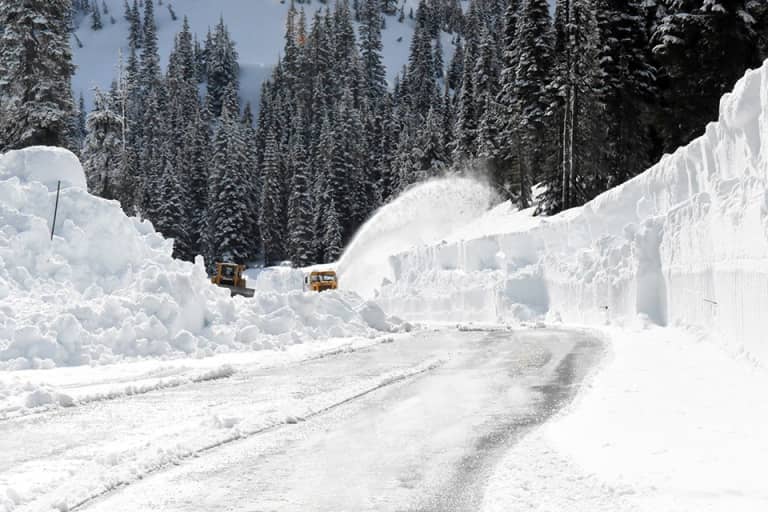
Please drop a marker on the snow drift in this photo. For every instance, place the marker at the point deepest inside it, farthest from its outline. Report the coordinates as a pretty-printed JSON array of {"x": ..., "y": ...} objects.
[
  {"x": 684, "y": 243},
  {"x": 106, "y": 286}
]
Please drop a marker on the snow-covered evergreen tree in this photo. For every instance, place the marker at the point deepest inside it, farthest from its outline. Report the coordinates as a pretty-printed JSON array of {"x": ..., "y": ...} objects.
[
  {"x": 102, "y": 154},
  {"x": 228, "y": 201},
  {"x": 171, "y": 218},
  {"x": 271, "y": 204},
  {"x": 370, "y": 49},
  {"x": 301, "y": 234},
  {"x": 36, "y": 103},
  {"x": 421, "y": 84},
  {"x": 533, "y": 99},
  {"x": 627, "y": 87},
  {"x": 135, "y": 31},
  {"x": 702, "y": 47},
  {"x": 96, "y": 23},
  {"x": 223, "y": 69},
  {"x": 332, "y": 238}
]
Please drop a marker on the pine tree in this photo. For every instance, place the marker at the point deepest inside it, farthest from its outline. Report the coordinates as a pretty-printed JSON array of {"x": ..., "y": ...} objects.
[
  {"x": 200, "y": 156},
  {"x": 36, "y": 104},
  {"x": 135, "y": 32},
  {"x": 300, "y": 216},
  {"x": 81, "y": 120},
  {"x": 579, "y": 172},
  {"x": 465, "y": 130},
  {"x": 345, "y": 176},
  {"x": 370, "y": 48},
  {"x": 182, "y": 81},
  {"x": 532, "y": 78},
  {"x": 150, "y": 73},
  {"x": 421, "y": 84},
  {"x": 252, "y": 180},
  {"x": 150, "y": 158},
  {"x": 702, "y": 47},
  {"x": 171, "y": 218},
  {"x": 429, "y": 152},
  {"x": 456, "y": 67},
  {"x": 508, "y": 175},
  {"x": 228, "y": 200},
  {"x": 333, "y": 238},
  {"x": 627, "y": 87},
  {"x": 270, "y": 213},
  {"x": 102, "y": 155},
  {"x": 223, "y": 69},
  {"x": 96, "y": 17}
]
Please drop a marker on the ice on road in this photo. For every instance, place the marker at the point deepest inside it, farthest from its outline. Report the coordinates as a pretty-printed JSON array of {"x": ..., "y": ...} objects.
[{"x": 417, "y": 424}]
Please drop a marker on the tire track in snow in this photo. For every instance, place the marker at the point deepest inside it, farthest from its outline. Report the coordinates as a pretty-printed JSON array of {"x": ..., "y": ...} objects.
[
  {"x": 62, "y": 401},
  {"x": 359, "y": 392}
]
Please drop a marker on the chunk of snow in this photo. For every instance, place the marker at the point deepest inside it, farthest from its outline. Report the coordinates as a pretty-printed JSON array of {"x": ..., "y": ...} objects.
[{"x": 43, "y": 164}]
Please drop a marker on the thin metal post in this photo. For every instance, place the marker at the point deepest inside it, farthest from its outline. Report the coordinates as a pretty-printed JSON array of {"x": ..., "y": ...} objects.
[{"x": 56, "y": 209}]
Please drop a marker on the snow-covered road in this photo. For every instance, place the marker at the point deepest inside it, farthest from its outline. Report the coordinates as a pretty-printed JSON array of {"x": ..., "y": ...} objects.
[{"x": 415, "y": 424}]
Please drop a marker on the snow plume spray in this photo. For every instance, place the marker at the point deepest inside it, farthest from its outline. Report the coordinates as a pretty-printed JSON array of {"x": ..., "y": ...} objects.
[{"x": 424, "y": 214}]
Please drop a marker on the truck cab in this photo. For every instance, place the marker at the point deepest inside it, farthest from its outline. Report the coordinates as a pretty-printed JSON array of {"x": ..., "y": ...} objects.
[{"x": 321, "y": 280}]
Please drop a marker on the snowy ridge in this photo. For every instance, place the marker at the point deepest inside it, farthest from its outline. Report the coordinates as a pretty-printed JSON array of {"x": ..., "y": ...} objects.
[
  {"x": 106, "y": 286},
  {"x": 683, "y": 243},
  {"x": 257, "y": 27}
]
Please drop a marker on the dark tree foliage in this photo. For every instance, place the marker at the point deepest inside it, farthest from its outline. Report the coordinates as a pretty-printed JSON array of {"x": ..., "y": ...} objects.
[
  {"x": 576, "y": 105},
  {"x": 36, "y": 103}
]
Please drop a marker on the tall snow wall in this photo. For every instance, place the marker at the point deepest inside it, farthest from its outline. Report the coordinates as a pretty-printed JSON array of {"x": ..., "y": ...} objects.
[{"x": 686, "y": 242}]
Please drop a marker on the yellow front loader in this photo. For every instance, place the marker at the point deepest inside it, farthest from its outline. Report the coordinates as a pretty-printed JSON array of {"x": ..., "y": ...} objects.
[{"x": 230, "y": 276}]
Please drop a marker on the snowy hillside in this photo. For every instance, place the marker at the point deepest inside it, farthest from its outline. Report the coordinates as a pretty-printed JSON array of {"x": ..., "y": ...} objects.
[
  {"x": 683, "y": 243},
  {"x": 257, "y": 26},
  {"x": 106, "y": 288}
]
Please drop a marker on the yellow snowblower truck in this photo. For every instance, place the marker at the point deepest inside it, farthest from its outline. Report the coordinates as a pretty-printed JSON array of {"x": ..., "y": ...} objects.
[
  {"x": 321, "y": 280},
  {"x": 230, "y": 276}
]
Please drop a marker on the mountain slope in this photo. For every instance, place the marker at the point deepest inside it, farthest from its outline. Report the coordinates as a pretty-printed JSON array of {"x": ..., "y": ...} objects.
[{"x": 256, "y": 26}]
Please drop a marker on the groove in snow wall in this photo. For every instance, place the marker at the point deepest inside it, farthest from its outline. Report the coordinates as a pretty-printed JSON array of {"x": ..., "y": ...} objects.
[{"x": 685, "y": 243}]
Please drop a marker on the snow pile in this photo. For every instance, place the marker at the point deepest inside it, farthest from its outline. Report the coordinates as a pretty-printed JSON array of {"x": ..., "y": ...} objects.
[
  {"x": 107, "y": 287},
  {"x": 684, "y": 243},
  {"x": 424, "y": 214},
  {"x": 275, "y": 279}
]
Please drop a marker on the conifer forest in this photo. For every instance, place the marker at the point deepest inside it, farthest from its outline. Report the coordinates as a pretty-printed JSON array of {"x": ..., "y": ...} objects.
[{"x": 552, "y": 106}]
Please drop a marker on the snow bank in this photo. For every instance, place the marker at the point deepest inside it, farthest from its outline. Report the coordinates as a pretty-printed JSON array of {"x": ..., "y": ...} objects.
[
  {"x": 684, "y": 243},
  {"x": 106, "y": 287},
  {"x": 656, "y": 430}
]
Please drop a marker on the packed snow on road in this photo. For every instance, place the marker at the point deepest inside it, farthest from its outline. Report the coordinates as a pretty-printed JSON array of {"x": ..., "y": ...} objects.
[{"x": 608, "y": 358}]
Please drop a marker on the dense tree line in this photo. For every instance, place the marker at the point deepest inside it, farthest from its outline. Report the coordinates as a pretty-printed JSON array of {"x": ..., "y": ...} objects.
[
  {"x": 36, "y": 103},
  {"x": 577, "y": 103}
]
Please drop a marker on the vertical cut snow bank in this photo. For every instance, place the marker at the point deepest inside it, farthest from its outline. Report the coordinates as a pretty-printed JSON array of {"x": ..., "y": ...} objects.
[
  {"x": 686, "y": 242},
  {"x": 106, "y": 287}
]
